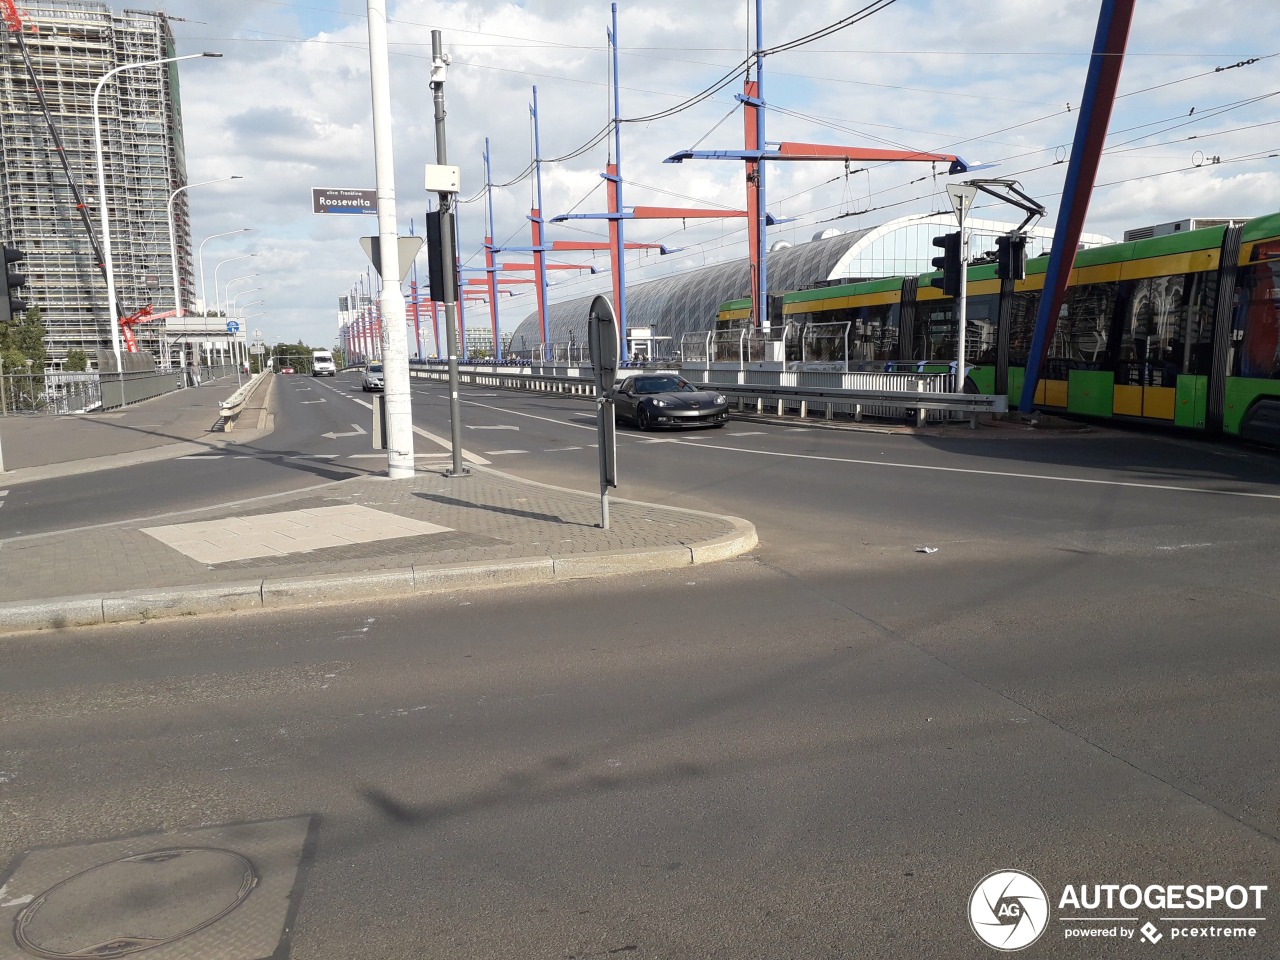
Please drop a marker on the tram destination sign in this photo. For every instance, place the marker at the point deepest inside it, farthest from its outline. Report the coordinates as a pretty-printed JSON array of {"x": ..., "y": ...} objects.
[{"x": 343, "y": 200}]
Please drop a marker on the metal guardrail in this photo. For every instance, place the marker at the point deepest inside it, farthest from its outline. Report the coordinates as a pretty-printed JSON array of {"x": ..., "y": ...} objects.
[
  {"x": 916, "y": 401},
  {"x": 231, "y": 408},
  {"x": 781, "y": 399}
]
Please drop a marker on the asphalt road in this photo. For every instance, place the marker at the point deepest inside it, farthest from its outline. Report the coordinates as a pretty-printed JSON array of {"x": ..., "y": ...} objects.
[
  {"x": 297, "y": 454},
  {"x": 816, "y": 751}
]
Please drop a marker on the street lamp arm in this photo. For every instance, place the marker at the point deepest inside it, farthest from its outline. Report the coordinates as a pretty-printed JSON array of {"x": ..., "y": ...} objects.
[
  {"x": 113, "y": 307},
  {"x": 173, "y": 242}
]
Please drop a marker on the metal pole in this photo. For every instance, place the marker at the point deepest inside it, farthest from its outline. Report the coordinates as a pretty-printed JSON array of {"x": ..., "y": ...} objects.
[
  {"x": 490, "y": 269},
  {"x": 962, "y": 303},
  {"x": 204, "y": 297},
  {"x": 616, "y": 186},
  {"x": 439, "y": 67},
  {"x": 217, "y": 296},
  {"x": 173, "y": 242},
  {"x": 113, "y": 308},
  {"x": 762, "y": 246},
  {"x": 539, "y": 253}
]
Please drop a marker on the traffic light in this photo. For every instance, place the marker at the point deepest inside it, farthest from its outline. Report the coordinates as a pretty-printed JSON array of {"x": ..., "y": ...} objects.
[
  {"x": 948, "y": 263},
  {"x": 10, "y": 305},
  {"x": 1011, "y": 257}
]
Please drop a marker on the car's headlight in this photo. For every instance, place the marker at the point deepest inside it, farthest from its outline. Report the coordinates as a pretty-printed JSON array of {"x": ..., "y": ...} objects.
[
  {"x": 661, "y": 403},
  {"x": 718, "y": 399}
]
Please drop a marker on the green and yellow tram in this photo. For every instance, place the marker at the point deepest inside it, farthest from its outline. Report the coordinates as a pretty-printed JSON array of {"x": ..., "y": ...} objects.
[{"x": 1181, "y": 329}]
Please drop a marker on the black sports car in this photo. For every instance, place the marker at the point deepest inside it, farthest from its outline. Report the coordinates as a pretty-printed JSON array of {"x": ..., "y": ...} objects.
[{"x": 666, "y": 400}]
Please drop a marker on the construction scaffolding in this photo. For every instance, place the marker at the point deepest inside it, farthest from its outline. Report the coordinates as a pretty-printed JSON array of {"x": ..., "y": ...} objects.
[{"x": 71, "y": 44}]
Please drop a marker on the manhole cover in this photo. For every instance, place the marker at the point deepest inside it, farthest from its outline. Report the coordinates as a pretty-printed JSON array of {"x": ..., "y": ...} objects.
[{"x": 125, "y": 906}]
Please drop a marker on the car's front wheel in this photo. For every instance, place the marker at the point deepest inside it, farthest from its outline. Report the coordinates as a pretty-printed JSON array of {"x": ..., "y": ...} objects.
[{"x": 643, "y": 420}]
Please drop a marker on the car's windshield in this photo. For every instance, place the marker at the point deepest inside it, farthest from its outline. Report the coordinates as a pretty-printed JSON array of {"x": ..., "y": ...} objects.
[
  {"x": 375, "y": 368},
  {"x": 663, "y": 385}
]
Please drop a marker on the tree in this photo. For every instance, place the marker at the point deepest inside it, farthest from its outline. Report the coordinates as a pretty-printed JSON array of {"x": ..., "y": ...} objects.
[
  {"x": 77, "y": 361},
  {"x": 23, "y": 339}
]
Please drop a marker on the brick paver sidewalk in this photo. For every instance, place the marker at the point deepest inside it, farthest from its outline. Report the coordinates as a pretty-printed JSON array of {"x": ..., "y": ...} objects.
[{"x": 413, "y": 529}]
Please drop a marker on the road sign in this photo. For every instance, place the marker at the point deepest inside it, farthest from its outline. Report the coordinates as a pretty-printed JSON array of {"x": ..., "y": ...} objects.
[
  {"x": 233, "y": 327},
  {"x": 961, "y": 195},
  {"x": 343, "y": 200},
  {"x": 408, "y": 247},
  {"x": 602, "y": 339},
  {"x": 257, "y": 349}
]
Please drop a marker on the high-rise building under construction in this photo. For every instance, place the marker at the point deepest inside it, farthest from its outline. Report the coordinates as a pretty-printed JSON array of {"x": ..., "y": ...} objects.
[{"x": 70, "y": 46}]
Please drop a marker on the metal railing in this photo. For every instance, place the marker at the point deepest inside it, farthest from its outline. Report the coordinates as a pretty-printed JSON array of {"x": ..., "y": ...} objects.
[
  {"x": 52, "y": 394},
  {"x": 231, "y": 408},
  {"x": 60, "y": 393},
  {"x": 919, "y": 396}
]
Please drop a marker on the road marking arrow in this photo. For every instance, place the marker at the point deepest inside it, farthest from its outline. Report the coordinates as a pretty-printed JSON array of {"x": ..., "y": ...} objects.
[
  {"x": 334, "y": 436},
  {"x": 305, "y": 402}
]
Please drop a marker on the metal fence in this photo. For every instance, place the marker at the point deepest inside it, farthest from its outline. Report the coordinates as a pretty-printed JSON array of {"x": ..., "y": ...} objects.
[{"x": 40, "y": 393}]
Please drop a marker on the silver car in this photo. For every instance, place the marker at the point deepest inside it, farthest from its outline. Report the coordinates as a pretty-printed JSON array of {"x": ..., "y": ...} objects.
[{"x": 372, "y": 377}]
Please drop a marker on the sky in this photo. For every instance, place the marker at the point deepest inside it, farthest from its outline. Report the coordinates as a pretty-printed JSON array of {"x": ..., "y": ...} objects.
[{"x": 1194, "y": 133}]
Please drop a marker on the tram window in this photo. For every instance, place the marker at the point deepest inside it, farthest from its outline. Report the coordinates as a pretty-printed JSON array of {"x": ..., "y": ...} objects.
[
  {"x": 1152, "y": 339},
  {"x": 1257, "y": 321},
  {"x": 874, "y": 334},
  {"x": 1022, "y": 325},
  {"x": 936, "y": 331},
  {"x": 1201, "y": 306},
  {"x": 982, "y": 316},
  {"x": 1080, "y": 341}
]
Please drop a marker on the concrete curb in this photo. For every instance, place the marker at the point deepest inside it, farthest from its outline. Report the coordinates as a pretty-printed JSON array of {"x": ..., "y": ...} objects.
[{"x": 285, "y": 592}]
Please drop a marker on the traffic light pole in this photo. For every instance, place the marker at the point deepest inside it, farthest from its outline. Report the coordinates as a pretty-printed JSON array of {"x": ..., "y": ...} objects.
[
  {"x": 962, "y": 304},
  {"x": 961, "y": 200},
  {"x": 449, "y": 277}
]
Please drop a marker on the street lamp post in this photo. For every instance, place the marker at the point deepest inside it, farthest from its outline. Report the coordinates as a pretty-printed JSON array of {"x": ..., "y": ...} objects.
[
  {"x": 237, "y": 357},
  {"x": 173, "y": 242},
  {"x": 113, "y": 308},
  {"x": 243, "y": 256},
  {"x": 226, "y": 289},
  {"x": 200, "y": 256},
  {"x": 244, "y": 324},
  {"x": 241, "y": 294}
]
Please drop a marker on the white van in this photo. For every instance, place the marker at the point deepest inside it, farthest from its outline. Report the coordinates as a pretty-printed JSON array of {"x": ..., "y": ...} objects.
[{"x": 322, "y": 364}]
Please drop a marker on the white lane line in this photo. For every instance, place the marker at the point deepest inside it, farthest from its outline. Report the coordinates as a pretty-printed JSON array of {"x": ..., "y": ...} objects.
[
  {"x": 997, "y": 473},
  {"x": 470, "y": 426},
  {"x": 439, "y": 441},
  {"x": 3, "y": 493},
  {"x": 203, "y": 456},
  {"x": 560, "y": 449},
  {"x": 383, "y": 456},
  {"x": 920, "y": 466},
  {"x": 315, "y": 456},
  {"x": 498, "y": 453}
]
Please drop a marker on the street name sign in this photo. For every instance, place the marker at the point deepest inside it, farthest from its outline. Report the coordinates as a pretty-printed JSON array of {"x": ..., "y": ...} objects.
[{"x": 343, "y": 200}]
